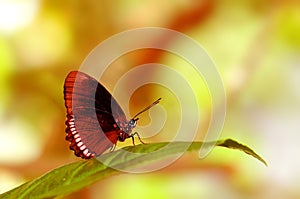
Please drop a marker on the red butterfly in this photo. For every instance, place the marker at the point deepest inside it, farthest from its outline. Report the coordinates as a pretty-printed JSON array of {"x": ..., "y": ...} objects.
[{"x": 95, "y": 121}]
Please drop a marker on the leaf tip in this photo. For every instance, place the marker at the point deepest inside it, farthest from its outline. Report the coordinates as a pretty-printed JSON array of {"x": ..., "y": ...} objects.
[{"x": 230, "y": 143}]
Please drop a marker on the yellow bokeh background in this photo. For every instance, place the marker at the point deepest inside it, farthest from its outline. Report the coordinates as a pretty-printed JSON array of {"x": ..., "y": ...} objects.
[{"x": 256, "y": 48}]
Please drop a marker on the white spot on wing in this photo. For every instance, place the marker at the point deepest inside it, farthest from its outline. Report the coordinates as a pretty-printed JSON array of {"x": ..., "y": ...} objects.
[{"x": 86, "y": 151}]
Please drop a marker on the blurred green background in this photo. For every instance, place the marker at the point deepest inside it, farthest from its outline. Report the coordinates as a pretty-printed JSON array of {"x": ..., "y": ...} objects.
[{"x": 255, "y": 45}]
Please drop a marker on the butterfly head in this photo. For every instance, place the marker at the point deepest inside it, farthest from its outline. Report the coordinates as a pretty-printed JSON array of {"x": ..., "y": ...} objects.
[{"x": 131, "y": 124}]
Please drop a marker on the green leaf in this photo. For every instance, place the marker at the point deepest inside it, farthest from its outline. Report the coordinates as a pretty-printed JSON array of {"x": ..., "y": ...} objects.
[{"x": 75, "y": 176}]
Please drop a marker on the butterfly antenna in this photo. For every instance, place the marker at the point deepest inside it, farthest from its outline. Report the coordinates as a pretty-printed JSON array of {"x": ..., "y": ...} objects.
[{"x": 148, "y": 107}]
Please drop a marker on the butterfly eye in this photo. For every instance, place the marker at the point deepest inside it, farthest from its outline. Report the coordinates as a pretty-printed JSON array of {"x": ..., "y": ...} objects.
[{"x": 132, "y": 122}]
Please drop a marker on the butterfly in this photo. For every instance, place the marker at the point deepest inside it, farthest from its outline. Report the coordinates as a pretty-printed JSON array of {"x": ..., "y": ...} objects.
[{"x": 94, "y": 121}]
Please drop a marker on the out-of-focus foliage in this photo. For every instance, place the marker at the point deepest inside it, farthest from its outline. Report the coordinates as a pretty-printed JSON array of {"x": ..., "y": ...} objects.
[{"x": 255, "y": 45}]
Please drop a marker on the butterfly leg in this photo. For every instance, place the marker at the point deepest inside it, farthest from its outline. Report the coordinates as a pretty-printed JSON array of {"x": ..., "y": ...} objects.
[
  {"x": 132, "y": 136},
  {"x": 113, "y": 147}
]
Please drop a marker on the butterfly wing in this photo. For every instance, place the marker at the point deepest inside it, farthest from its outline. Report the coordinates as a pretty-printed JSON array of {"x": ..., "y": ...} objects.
[{"x": 91, "y": 126}]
